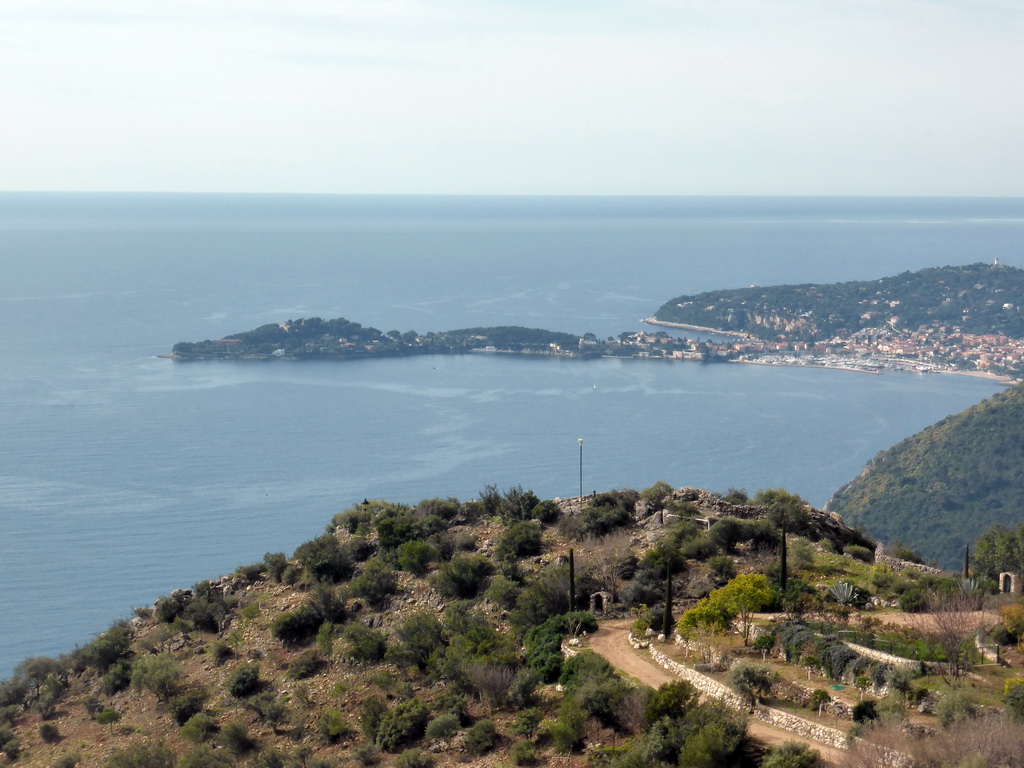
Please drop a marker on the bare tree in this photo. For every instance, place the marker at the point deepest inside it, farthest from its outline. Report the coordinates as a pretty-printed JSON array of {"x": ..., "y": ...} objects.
[
  {"x": 608, "y": 558},
  {"x": 951, "y": 625}
]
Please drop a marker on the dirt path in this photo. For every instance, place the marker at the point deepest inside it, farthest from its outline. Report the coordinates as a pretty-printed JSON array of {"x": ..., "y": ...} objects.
[{"x": 611, "y": 641}]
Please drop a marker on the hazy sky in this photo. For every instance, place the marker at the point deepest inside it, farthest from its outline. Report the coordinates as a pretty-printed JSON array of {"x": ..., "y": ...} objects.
[{"x": 875, "y": 97}]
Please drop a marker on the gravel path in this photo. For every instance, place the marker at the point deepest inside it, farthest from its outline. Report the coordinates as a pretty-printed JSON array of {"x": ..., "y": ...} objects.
[{"x": 611, "y": 641}]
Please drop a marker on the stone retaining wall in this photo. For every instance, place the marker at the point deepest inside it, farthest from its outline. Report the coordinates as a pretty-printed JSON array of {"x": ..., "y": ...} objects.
[
  {"x": 882, "y": 656},
  {"x": 775, "y": 717},
  {"x": 894, "y": 562}
]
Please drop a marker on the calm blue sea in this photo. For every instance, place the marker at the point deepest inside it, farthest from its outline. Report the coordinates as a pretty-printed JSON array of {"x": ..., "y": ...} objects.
[{"x": 124, "y": 476}]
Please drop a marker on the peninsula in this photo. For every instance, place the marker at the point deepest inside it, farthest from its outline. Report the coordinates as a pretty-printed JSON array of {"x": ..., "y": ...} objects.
[{"x": 948, "y": 319}]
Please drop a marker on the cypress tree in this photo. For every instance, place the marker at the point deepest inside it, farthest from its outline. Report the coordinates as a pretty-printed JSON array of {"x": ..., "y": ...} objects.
[
  {"x": 967, "y": 561},
  {"x": 782, "y": 562},
  {"x": 667, "y": 622},
  {"x": 572, "y": 583}
]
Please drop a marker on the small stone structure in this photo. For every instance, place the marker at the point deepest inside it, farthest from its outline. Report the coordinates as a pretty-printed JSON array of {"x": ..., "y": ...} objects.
[
  {"x": 1010, "y": 583},
  {"x": 600, "y": 602}
]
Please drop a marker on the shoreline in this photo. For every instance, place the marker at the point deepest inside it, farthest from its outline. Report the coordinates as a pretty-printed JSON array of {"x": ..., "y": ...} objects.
[{"x": 822, "y": 367}]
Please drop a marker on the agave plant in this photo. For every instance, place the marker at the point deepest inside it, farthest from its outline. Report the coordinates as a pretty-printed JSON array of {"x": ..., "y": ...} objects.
[
  {"x": 969, "y": 585},
  {"x": 845, "y": 593}
]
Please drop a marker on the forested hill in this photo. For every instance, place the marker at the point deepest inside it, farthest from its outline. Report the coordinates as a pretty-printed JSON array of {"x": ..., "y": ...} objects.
[
  {"x": 939, "y": 489},
  {"x": 977, "y": 298},
  {"x": 313, "y": 337}
]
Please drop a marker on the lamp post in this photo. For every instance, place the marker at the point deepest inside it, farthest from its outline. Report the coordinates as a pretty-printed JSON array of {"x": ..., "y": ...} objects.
[{"x": 580, "y": 441}]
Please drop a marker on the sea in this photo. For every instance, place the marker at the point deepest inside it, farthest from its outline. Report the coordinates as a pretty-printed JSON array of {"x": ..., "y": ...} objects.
[{"x": 124, "y": 475}]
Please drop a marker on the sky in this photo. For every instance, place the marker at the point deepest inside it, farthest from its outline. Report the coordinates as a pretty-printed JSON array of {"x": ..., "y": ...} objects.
[{"x": 545, "y": 97}]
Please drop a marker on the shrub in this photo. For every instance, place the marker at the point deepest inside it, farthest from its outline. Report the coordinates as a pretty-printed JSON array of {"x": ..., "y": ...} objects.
[
  {"x": 503, "y": 592},
  {"x": 722, "y": 567},
  {"x": 305, "y": 665},
  {"x": 199, "y": 728},
  {"x": 204, "y": 756},
  {"x": 671, "y": 700},
  {"x": 414, "y": 758},
  {"x": 521, "y": 539},
  {"x": 913, "y": 600},
  {"x": 235, "y": 736},
  {"x": 956, "y": 707},
  {"x": 333, "y": 727},
  {"x": 858, "y": 552},
  {"x": 442, "y": 727},
  {"x": 420, "y": 637},
  {"x": 865, "y": 712},
  {"x": 751, "y": 681},
  {"x": 220, "y": 652},
  {"x": 416, "y": 557},
  {"x": 481, "y": 737},
  {"x": 372, "y": 714},
  {"x": 244, "y": 681},
  {"x": 363, "y": 643},
  {"x": 275, "y": 563},
  {"x": 377, "y": 582},
  {"x": 159, "y": 674},
  {"x": 792, "y": 754},
  {"x": 49, "y": 733},
  {"x": 402, "y": 725},
  {"x": 526, "y": 721},
  {"x": 463, "y": 576},
  {"x": 367, "y": 753},
  {"x": 142, "y": 754},
  {"x": 325, "y": 559},
  {"x": 186, "y": 704},
  {"x": 112, "y": 646},
  {"x": 270, "y": 709},
  {"x": 568, "y": 730},
  {"x": 67, "y": 760}
]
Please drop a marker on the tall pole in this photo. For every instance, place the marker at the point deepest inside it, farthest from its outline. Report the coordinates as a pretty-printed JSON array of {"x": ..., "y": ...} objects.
[{"x": 580, "y": 440}]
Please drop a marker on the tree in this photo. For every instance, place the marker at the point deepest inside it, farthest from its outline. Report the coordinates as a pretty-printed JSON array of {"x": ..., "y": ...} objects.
[
  {"x": 667, "y": 622},
  {"x": 108, "y": 716},
  {"x": 751, "y": 681},
  {"x": 572, "y": 582},
  {"x": 159, "y": 674},
  {"x": 951, "y": 625},
  {"x": 743, "y": 596}
]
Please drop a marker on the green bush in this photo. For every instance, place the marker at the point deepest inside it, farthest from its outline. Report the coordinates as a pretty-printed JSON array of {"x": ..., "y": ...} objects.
[
  {"x": 792, "y": 754},
  {"x": 333, "y": 727},
  {"x": 913, "y": 600},
  {"x": 235, "y": 737},
  {"x": 186, "y": 704},
  {"x": 67, "y": 760},
  {"x": 377, "y": 582},
  {"x": 402, "y": 725},
  {"x": 416, "y": 557},
  {"x": 568, "y": 730},
  {"x": 481, "y": 737},
  {"x": 49, "y": 733},
  {"x": 520, "y": 539},
  {"x": 503, "y": 592},
  {"x": 858, "y": 552},
  {"x": 671, "y": 700},
  {"x": 523, "y": 753},
  {"x": 275, "y": 563},
  {"x": 956, "y": 707},
  {"x": 199, "y": 728},
  {"x": 463, "y": 576},
  {"x": 367, "y": 753},
  {"x": 414, "y": 758},
  {"x": 526, "y": 721},
  {"x": 160, "y": 675},
  {"x": 442, "y": 727},
  {"x": 420, "y": 638},
  {"x": 305, "y": 665},
  {"x": 244, "y": 681},
  {"x": 142, "y": 754},
  {"x": 363, "y": 643},
  {"x": 204, "y": 756},
  {"x": 865, "y": 712},
  {"x": 325, "y": 559},
  {"x": 370, "y": 717}
]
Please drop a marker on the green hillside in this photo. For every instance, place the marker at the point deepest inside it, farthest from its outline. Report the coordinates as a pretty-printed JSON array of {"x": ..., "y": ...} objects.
[
  {"x": 939, "y": 489},
  {"x": 978, "y": 298}
]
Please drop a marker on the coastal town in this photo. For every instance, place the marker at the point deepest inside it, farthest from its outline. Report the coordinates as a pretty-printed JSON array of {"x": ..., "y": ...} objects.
[{"x": 942, "y": 349}]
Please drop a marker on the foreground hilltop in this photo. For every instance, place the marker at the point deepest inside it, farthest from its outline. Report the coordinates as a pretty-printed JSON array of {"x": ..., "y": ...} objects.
[
  {"x": 411, "y": 636},
  {"x": 939, "y": 489}
]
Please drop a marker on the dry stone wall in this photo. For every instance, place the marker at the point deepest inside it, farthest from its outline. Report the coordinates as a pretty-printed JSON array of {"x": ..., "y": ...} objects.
[{"x": 775, "y": 717}]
